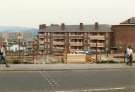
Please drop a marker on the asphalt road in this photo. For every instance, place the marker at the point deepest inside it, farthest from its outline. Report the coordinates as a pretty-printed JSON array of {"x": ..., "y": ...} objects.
[{"x": 113, "y": 80}]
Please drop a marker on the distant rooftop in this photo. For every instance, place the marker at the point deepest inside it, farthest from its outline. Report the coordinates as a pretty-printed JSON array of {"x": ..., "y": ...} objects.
[
  {"x": 129, "y": 21},
  {"x": 78, "y": 28}
]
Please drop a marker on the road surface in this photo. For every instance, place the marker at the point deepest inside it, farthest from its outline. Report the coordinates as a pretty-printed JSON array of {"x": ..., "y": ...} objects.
[{"x": 111, "y": 80}]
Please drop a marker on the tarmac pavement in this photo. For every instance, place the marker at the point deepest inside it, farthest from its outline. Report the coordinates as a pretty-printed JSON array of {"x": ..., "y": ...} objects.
[{"x": 60, "y": 67}]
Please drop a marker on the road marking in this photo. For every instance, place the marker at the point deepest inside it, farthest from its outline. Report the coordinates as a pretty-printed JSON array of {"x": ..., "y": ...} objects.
[
  {"x": 105, "y": 89},
  {"x": 49, "y": 79},
  {"x": 95, "y": 90}
]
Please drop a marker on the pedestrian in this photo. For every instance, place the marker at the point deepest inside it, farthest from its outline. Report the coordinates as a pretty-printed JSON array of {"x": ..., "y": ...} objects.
[
  {"x": 126, "y": 56},
  {"x": 3, "y": 55},
  {"x": 130, "y": 55}
]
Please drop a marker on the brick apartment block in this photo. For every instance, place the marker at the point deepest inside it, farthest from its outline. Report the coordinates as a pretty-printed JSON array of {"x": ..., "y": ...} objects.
[{"x": 57, "y": 39}]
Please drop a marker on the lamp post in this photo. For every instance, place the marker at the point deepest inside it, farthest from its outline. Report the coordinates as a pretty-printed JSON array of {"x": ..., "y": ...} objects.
[
  {"x": 96, "y": 52},
  {"x": 33, "y": 44},
  {"x": 19, "y": 37},
  {"x": 34, "y": 49},
  {"x": 19, "y": 48}
]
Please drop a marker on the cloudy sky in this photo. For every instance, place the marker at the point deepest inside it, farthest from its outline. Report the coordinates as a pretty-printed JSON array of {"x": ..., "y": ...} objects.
[{"x": 31, "y": 13}]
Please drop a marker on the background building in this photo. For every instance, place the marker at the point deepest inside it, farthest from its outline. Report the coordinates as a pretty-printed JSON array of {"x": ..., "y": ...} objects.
[
  {"x": 124, "y": 34},
  {"x": 57, "y": 39}
]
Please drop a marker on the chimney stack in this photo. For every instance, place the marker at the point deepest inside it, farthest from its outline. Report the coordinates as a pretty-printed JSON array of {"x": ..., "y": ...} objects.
[
  {"x": 63, "y": 26},
  {"x": 81, "y": 26},
  {"x": 42, "y": 26},
  {"x": 129, "y": 21},
  {"x": 54, "y": 25},
  {"x": 96, "y": 25}
]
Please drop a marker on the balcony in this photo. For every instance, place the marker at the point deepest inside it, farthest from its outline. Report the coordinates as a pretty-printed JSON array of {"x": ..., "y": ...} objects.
[
  {"x": 41, "y": 36},
  {"x": 97, "y": 38},
  {"x": 98, "y": 45},
  {"x": 76, "y": 37},
  {"x": 59, "y": 34},
  {"x": 58, "y": 49},
  {"x": 41, "y": 30},
  {"x": 41, "y": 47},
  {"x": 58, "y": 43},
  {"x": 76, "y": 44},
  {"x": 58, "y": 37},
  {"x": 41, "y": 42}
]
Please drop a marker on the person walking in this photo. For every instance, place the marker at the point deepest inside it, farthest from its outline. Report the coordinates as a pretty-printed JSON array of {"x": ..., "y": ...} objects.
[
  {"x": 126, "y": 56},
  {"x": 130, "y": 55},
  {"x": 3, "y": 55}
]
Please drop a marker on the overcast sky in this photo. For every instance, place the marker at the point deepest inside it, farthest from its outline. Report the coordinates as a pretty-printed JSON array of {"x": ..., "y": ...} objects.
[{"x": 31, "y": 13}]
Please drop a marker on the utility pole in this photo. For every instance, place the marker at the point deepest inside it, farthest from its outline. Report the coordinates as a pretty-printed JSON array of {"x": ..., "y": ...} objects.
[
  {"x": 33, "y": 44},
  {"x": 19, "y": 50},
  {"x": 19, "y": 37},
  {"x": 96, "y": 52}
]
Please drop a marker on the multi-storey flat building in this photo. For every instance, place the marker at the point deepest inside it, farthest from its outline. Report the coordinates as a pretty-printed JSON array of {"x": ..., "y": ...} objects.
[{"x": 56, "y": 39}]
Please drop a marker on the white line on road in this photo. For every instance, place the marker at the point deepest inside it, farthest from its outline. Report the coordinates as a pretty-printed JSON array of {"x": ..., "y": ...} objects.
[
  {"x": 49, "y": 79},
  {"x": 105, "y": 89},
  {"x": 96, "y": 90}
]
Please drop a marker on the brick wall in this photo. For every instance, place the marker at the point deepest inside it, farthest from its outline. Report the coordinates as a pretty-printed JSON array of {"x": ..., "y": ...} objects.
[{"x": 124, "y": 35}]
